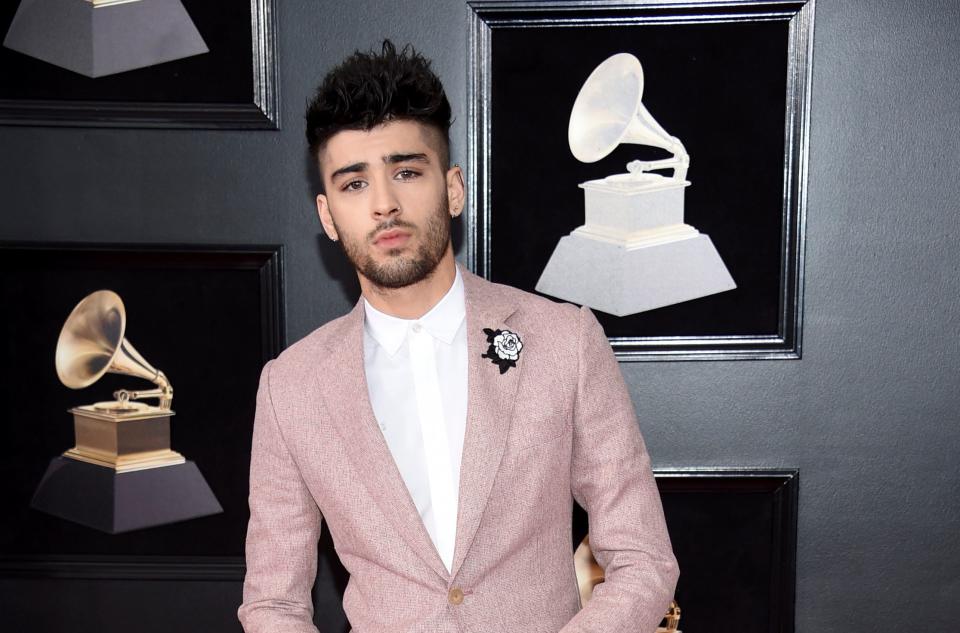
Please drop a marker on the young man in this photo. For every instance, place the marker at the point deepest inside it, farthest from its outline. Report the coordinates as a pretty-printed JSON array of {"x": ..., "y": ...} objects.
[{"x": 443, "y": 428}]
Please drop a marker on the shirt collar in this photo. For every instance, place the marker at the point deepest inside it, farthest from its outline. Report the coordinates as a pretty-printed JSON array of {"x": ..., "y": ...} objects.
[{"x": 442, "y": 320}]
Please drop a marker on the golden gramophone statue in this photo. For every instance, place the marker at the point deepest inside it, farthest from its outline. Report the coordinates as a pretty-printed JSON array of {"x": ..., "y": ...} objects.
[{"x": 122, "y": 474}]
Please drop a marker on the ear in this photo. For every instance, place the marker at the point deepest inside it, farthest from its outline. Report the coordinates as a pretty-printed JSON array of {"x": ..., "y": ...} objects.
[
  {"x": 323, "y": 210},
  {"x": 456, "y": 194}
]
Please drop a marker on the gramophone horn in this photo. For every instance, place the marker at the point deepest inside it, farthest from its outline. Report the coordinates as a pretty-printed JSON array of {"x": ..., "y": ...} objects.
[
  {"x": 609, "y": 111},
  {"x": 92, "y": 344}
]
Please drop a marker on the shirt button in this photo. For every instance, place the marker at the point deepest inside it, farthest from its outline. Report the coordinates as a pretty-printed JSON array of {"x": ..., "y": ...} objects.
[
  {"x": 416, "y": 328},
  {"x": 455, "y": 596}
]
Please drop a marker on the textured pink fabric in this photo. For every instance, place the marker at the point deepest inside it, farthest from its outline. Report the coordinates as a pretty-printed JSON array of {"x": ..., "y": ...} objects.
[{"x": 558, "y": 426}]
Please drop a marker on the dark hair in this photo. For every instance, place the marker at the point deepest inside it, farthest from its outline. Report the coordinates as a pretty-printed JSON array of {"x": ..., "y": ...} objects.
[{"x": 368, "y": 89}]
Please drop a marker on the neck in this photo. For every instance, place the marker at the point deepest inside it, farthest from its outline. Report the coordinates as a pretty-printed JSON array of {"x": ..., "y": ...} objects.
[{"x": 415, "y": 300}]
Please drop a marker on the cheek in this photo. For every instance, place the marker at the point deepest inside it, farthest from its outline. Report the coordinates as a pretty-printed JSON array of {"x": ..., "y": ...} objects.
[
  {"x": 413, "y": 200},
  {"x": 423, "y": 198},
  {"x": 346, "y": 215}
]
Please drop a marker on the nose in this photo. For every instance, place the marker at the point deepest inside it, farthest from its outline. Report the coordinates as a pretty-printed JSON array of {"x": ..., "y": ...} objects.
[{"x": 384, "y": 202}]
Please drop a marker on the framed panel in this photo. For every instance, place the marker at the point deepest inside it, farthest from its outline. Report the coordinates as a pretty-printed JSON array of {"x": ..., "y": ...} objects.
[
  {"x": 730, "y": 79},
  {"x": 209, "y": 318},
  {"x": 734, "y": 533},
  {"x": 232, "y": 86}
]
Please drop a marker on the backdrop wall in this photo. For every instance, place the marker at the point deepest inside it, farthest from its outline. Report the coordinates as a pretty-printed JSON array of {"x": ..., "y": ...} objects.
[{"x": 869, "y": 415}]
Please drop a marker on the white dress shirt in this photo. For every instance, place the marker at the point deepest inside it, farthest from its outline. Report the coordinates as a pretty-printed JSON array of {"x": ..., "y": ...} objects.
[{"x": 417, "y": 381}]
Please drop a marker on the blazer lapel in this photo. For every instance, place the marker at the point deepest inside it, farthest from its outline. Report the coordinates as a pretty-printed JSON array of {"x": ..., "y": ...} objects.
[
  {"x": 490, "y": 401},
  {"x": 342, "y": 384}
]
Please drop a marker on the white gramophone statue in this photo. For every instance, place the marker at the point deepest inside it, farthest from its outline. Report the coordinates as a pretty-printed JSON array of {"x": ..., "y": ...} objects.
[{"x": 634, "y": 252}]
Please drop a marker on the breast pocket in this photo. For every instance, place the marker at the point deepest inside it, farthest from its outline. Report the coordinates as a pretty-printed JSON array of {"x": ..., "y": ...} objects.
[
  {"x": 539, "y": 477},
  {"x": 537, "y": 424},
  {"x": 539, "y": 438}
]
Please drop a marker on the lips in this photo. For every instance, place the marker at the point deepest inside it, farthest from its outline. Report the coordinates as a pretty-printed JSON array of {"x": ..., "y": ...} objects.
[{"x": 394, "y": 238}]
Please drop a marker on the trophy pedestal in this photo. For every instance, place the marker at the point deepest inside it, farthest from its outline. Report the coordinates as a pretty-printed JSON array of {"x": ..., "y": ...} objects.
[
  {"x": 104, "y": 40},
  {"x": 634, "y": 253},
  {"x": 610, "y": 278},
  {"x": 122, "y": 475},
  {"x": 115, "y": 502}
]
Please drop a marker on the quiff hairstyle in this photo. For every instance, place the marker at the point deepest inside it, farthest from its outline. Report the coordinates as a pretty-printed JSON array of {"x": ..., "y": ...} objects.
[{"x": 369, "y": 89}]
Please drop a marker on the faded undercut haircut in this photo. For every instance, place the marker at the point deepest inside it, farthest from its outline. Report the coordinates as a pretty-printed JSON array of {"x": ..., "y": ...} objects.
[{"x": 369, "y": 89}]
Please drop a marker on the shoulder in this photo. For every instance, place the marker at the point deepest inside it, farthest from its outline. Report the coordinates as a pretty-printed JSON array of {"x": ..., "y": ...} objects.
[
  {"x": 534, "y": 310},
  {"x": 551, "y": 332},
  {"x": 312, "y": 350}
]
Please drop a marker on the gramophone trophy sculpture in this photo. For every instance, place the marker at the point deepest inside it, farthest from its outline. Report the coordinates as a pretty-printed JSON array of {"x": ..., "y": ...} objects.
[
  {"x": 122, "y": 474},
  {"x": 634, "y": 252}
]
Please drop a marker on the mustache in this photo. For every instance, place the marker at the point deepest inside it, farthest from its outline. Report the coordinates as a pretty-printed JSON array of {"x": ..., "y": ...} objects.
[{"x": 391, "y": 224}]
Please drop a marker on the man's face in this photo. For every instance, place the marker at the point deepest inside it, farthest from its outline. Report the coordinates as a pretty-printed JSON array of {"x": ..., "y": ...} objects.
[{"x": 389, "y": 200}]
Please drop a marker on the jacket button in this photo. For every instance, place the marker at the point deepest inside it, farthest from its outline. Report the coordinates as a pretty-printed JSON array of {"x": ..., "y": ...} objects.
[{"x": 455, "y": 596}]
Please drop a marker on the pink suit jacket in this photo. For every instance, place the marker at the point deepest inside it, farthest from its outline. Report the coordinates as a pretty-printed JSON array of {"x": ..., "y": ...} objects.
[{"x": 557, "y": 427}]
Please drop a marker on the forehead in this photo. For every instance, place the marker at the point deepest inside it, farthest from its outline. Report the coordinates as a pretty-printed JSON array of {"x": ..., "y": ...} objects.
[{"x": 368, "y": 146}]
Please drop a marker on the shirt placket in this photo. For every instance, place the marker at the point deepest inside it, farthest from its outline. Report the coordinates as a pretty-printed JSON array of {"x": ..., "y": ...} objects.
[{"x": 436, "y": 445}]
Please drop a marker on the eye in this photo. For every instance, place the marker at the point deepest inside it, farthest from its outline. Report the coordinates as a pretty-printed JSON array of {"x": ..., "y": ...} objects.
[
  {"x": 406, "y": 174},
  {"x": 353, "y": 185}
]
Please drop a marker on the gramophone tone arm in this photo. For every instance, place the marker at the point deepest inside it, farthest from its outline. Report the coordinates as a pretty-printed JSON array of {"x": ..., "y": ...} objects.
[
  {"x": 679, "y": 162},
  {"x": 636, "y": 166},
  {"x": 680, "y": 154},
  {"x": 164, "y": 392},
  {"x": 679, "y": 166}
]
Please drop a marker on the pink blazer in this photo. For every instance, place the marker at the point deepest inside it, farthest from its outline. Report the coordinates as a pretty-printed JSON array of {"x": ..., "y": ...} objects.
[{"x": 557, "y": 427}]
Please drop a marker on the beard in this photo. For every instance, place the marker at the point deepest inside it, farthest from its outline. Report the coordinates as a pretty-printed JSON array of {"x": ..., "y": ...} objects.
[{"x": 402, "y": 270}]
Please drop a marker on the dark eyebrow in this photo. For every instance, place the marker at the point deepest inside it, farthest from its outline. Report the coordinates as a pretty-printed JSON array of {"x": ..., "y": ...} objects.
[
  {"x": 349, "y": 169},
  {"x": 390, "y": 159},
  {"x": 404, "y": 158}
]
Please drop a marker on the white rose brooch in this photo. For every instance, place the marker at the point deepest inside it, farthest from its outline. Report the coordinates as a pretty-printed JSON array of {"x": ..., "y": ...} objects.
[{"x": 504, "y": 348}]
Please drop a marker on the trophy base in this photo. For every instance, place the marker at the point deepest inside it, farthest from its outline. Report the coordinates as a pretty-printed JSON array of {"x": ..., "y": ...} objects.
[
  {"x": 621, "y": 281},
  {"x": 631, "y": 205},
  {"x": 135, "y": 437},
  {"x": 104, "y": 499},
  {"x": 127, "y": 463}
]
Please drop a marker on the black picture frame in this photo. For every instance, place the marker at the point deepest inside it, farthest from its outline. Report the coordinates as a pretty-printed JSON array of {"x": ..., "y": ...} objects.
[
  {"x": 731, "y": 79},
  {"x": 208, "y": 316},
  {"x": 734, "y": 534},
  {"x": 234, "y": 86}
]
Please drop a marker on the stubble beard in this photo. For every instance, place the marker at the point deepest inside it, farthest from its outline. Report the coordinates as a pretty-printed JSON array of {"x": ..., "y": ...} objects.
[{"x": 400, "y": 271}]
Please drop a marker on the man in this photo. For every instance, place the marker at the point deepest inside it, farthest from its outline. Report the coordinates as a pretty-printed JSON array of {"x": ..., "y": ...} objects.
[{"x": 443, "y": 428}]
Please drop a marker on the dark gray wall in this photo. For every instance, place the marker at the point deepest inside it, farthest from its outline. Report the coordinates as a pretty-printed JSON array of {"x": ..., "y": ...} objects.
[{"x": 869, "y": 415}]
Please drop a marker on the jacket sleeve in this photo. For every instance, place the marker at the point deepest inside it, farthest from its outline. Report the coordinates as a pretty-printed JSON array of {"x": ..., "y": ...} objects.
[
  {"x": 281, "y": 547},
  {"x": 612, "y": 479}
]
